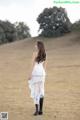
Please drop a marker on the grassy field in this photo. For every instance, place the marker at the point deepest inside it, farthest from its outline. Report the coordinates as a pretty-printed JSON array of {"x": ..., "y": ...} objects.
[{"x": 62, "y": 87}]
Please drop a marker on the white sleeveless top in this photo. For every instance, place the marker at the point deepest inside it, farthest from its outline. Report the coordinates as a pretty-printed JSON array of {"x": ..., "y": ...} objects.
[{"x": 38, "y": 69}]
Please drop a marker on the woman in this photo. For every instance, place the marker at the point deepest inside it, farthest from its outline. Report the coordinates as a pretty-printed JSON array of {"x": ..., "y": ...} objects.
[{"x": 37, "y": 77}]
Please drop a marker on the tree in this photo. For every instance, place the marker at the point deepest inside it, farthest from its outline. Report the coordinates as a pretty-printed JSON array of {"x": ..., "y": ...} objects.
[
  {"x": 76, "y": 26},
  {"x": 2, "y": 34},
  {"x": 22, "y": 30},
  {"x": 7, "y": 32},
  {"x": 10, "y": 32},
  {"x": 54, "y": 22}
]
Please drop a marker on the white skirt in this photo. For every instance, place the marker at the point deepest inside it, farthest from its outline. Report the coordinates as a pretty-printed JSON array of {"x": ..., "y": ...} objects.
[{"x": 36, "y": 85}]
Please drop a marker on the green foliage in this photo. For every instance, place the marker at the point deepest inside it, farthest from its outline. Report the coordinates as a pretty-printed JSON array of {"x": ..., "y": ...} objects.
[
  {"x": 22, "y": 30},
  {"x": 10, "y": 32},
  {"x": 7, "y": 32},
  {"x": 76, "y": 26},
  {"x": 54, "y": 22}
]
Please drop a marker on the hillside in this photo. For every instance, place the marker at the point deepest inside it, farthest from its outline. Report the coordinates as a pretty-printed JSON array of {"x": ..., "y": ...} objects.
[{"x": 62, "y": 87}]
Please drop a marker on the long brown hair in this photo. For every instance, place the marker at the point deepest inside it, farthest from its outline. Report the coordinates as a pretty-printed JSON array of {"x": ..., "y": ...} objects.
[{"x": 41, "y": 52}]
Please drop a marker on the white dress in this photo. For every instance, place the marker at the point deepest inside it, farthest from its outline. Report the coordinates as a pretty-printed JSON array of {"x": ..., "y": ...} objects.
[{"x": 36, "y": 84}]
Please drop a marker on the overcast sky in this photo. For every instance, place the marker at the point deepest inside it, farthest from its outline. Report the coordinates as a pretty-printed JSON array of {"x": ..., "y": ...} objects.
[{"x": 28, "y": 10}]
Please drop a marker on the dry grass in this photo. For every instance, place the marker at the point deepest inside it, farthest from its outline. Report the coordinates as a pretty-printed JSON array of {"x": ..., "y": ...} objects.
[{"x": 62, "y": 87}]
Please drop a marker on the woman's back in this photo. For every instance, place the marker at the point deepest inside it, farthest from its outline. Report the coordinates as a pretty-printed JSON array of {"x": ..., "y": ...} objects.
[{"x": 38, "y": 69}]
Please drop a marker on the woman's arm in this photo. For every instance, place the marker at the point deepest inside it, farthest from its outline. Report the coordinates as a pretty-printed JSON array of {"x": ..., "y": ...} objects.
[{"x": 45, "y": 64}]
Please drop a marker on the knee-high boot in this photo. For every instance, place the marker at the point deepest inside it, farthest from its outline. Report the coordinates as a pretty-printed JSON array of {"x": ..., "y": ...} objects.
[
  {"x": 41, "y": 106},
  {"x": 36, "y": 112}
]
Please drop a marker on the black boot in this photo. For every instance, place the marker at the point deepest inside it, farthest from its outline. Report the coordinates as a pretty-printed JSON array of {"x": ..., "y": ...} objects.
[
  {"x": 41, "y": 106},
  {"x": 36, "y": 112}
]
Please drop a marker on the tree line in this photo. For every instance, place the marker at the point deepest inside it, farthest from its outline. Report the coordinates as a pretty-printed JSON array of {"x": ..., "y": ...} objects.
[
  {"x": 10, "y": 32},
  {"x": 53, "y": 22}
]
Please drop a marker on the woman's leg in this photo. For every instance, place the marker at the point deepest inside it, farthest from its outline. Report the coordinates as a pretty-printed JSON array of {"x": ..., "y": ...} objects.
[
  {"x": 41, "y": 106},
  {"x": 36, "y": 111},
  {"x": 41, "y": 98},
  {"x": 36, "y": 97}
]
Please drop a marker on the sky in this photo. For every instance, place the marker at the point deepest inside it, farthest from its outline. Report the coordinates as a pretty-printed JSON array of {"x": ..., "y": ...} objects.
[{"x": 28, "y": 11}]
